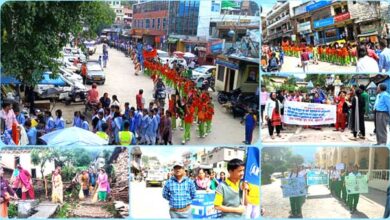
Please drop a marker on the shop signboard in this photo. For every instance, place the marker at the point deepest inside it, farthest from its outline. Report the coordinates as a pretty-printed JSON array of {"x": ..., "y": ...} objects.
[
  {"x": 323, "y": 22},
  {"x": 342, "y": 17},
  {"x": 317, "y": 5},
  {"x": 228, "y": 64},
  {"x": 304, "y": 27}
]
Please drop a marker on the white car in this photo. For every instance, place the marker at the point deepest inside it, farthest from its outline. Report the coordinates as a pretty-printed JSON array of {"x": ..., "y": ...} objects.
[
  {"x": 203, "y": 71},
  {"x": 75, "y": 52},
  {"x": 163, "y": 56},
  {"x": 67, "y": 61},
  {"x": 71, "y": 76}
]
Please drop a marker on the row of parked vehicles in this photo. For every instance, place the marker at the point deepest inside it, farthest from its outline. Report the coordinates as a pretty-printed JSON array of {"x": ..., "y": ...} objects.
[{"x": 68, "y": 86}]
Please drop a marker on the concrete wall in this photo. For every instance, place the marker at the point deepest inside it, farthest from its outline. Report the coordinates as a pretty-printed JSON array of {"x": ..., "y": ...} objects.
[{"x": 8, "y": 159}]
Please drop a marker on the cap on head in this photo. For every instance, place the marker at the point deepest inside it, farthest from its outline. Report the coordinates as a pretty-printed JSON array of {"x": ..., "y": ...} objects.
[{"x": 178, "y": 164}]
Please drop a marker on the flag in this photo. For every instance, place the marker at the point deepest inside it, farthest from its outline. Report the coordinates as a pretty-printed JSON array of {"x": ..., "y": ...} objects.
[{"x": 252, "y": 166}]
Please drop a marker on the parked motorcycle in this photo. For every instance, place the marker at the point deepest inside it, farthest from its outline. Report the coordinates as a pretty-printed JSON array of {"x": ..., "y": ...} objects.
[
  {"x": 224, "y": 97},
  {"x": 243, "y": 103}
]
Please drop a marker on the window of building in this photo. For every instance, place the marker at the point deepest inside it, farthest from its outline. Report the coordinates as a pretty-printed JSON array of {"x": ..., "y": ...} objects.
[
  {"x": 221, "y": 73},
  {"x": 158, "y": 23},
  {"x": 229, "y": 153},
  {"x": 33, "y": 173},
  {"x": 164, "y": 23},
  {"x": 147, "y": 23},
  {"x": 153, "y": 23},
  {"x": 17, "y": 161},
  {"x": 117, "y": 3}
]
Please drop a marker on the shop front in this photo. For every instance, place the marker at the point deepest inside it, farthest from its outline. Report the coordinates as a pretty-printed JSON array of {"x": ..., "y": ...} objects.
[
  {"x": 237, "y": 72},
  {"x": 304, "y": 30},
  {"x": 369, "y": 31}
]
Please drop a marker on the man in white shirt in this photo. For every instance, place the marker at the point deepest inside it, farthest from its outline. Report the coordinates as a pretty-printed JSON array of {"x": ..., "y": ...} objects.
[{"x": 366, "y": 64}]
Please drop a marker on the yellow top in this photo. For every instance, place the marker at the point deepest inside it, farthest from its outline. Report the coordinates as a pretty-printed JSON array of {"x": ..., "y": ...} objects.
[{"x": 219, "y": 197}]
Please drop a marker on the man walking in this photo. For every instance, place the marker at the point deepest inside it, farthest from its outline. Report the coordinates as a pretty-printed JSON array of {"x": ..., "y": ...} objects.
[
  {"x": 179, "y": 191},
  {"x": 305, "y": 58},
  {"x": 384, "y": 56},
  {"x": 382, "y": 114}
]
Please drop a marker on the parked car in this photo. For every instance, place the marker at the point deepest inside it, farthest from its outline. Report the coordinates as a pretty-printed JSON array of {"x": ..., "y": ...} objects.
[
  {"x": 203, "y": 71},
  {"x": 59, "y": 88},
  {"x": 75, "y": 52},
  {"x": 95, "y": 73},
  {"x": 71, "y": 76},
  {"x": 67, "y": 62},
  {"x": 91, "y": 47},
  {"x": 163, "y": 56}
]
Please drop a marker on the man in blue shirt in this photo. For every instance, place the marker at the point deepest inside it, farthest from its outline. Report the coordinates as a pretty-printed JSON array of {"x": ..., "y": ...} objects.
[
  {"x": 19, "y": 116},
  {"x": 384, "y": 56},
  {"x": 31, "y": 133},
  {"x": 382, "y": 113},
  {"x": 179, "y": 190}
]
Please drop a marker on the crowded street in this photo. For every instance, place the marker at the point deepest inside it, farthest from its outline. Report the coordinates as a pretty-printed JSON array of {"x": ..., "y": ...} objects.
[
  {"x": 122, "y": 82},
  {"x": 319, "y": 198}
]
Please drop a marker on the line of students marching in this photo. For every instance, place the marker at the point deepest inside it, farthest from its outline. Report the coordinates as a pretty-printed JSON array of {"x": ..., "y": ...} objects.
[{"x": 338, "y": 188}]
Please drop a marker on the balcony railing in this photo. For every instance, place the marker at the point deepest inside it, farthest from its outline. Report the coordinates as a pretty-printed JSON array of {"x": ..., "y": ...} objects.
[{"x": 378, "y": 179}]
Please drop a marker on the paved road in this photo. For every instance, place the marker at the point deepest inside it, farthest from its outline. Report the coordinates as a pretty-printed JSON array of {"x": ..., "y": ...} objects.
[
  {"x": 121, "y": 81},
  {"x": 320, "y": 204},
  {"x": 147, "y": 202},
  {"x": 291, "y": 65},
  {"x": 298, "y": 134}
]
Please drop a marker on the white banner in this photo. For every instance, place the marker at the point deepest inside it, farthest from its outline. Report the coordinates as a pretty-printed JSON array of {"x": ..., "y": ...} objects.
[{"x": 302, "y": 113}]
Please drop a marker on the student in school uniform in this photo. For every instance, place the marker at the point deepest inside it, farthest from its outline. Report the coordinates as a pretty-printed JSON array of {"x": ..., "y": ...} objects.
[
  {"x": 353, "y": 199},
  {"x": 296, "y": 202}
]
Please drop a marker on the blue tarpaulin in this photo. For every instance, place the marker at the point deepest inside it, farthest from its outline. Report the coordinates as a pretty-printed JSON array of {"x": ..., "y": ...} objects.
[
  {"x": 48, "y": 81},
  {"x": 8, "y": 80}
]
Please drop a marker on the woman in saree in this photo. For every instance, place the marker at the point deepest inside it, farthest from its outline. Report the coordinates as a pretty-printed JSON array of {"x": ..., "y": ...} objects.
[
  {"x": 6, "y": 192},
  {"x": 57, "y": 187}
]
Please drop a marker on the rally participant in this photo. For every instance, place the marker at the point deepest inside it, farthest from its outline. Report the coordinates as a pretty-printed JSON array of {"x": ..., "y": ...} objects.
[
  {"x": 353, "y": 199},
  {"x": 228, "y": 196},
  {"x": 93, "y": 96},
  {"x": 201, "y": 120},
  {"x": 342, "y": 111},
  {"x": 250, "y": 125},
  {"x": 172, "y": 109},
  {"x": 49, "y": 121},
  {"x": 253, "y": 207},
  {"x": 213, "y": 181},
  {"x": 179, "y": 190},
  {"x": 188, "y": 120},
  {"x": 209, "y": 117},
  {"x": 344, "y": 195},
  {"x": 126, "y": 137},
  {"x": 296, "y": 202},
  {"x": 202, "y": 182},
  {"x": 272, "y": 115},
  {"x": 103, "y": 133},
  {"x": 382, "y": 113},
  {"x": 59, "y": 122},
  {"x": 357, "y": 122},
  {"x": 31, "y": 133}
]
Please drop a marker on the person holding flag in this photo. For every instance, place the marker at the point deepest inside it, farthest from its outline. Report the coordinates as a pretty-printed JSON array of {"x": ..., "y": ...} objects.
[{"x": 229, "y": 195}]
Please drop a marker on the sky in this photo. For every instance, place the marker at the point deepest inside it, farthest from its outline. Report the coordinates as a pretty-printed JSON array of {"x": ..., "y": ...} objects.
[
  {"x": 308, "y": 153},
  {"x": 267, "y": 5},
  {"x": 166, "y": 153}
]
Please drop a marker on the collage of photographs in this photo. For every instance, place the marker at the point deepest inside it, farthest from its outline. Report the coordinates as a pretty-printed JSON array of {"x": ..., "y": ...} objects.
[{"x": 158, "y": 109}]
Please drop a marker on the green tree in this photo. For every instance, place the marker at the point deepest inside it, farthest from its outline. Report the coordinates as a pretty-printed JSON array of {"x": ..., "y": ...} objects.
[
  {"x": 316, "y": 79},
  {"x": 295, "y": 160},
  {"x": 273, "y": 160},
  {"x": 33, "y": 33}
]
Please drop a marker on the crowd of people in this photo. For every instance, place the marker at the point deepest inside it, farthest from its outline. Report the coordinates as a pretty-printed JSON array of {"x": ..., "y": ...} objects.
[
  {"x": 122, "y": 124},
  {"x": 180, "y": 191},
  {"x": 21, "y": 186},
  {"x": 94, "y": 185},
  {"x": 367, "y": 57},
  {"x": 336, "y": 186},
  {"x": 352, "y": 105}
]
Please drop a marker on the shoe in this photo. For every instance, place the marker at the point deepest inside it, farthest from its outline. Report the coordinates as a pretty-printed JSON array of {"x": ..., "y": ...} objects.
[
  {"x": 353, "y": 139},
  {"x": 279, "y": 135},
  {"x": 183, "y": 142},
  {"x": 205, "y": 134},
  {"x": 336, "y": 130},
  {"x": 272, "y": 137},
  {"x": 181, "y": 129},
  {"x": 362, "y": 137}
]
